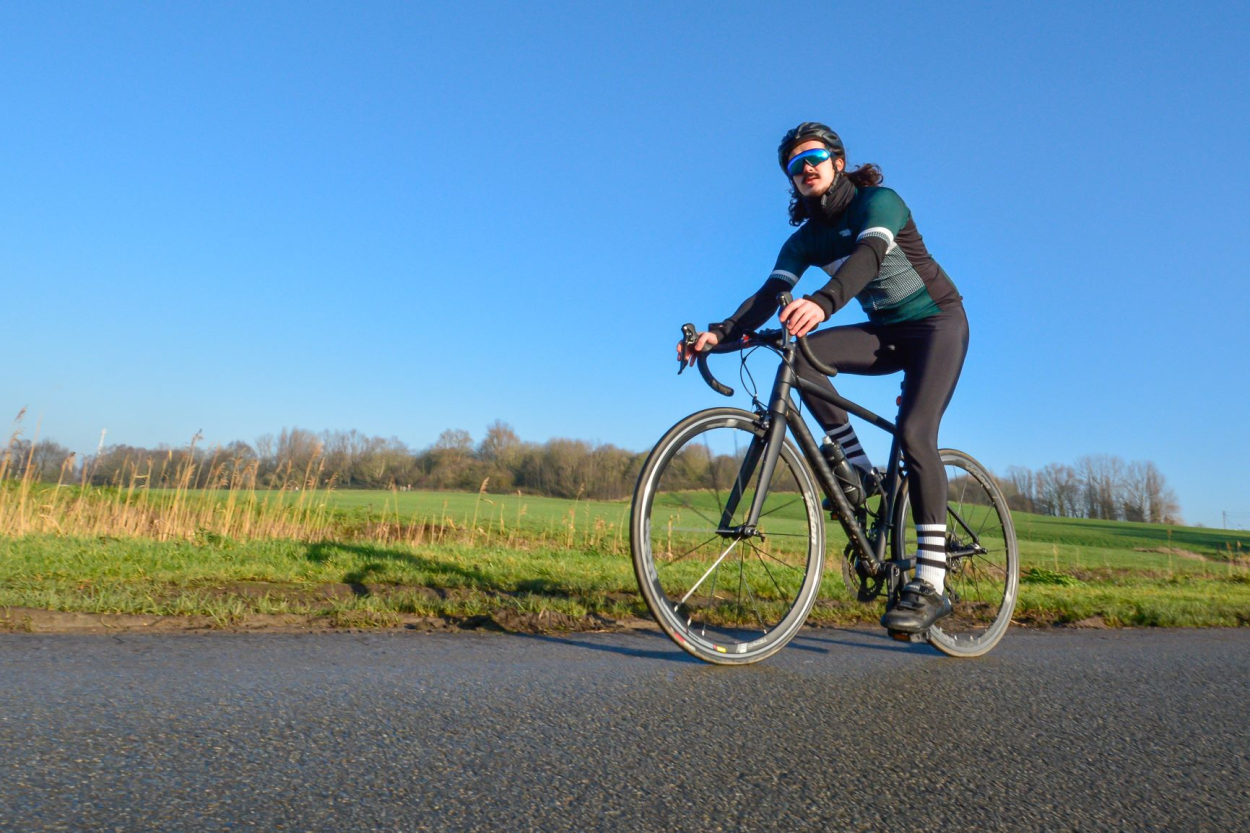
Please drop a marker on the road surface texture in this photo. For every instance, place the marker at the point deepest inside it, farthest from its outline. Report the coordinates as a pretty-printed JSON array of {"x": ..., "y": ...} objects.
[{"x": 843, "y": 730}]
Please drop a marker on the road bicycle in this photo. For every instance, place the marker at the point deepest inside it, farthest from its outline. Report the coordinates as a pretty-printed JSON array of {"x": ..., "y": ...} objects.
[{"x": 728, "y": 532}]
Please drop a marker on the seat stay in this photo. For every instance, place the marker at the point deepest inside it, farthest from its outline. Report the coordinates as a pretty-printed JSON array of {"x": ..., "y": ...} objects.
[{"x": 976, "y": 539}]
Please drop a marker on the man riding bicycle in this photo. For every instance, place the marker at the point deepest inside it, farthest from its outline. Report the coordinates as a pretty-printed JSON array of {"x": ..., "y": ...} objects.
[{"x": 864, "y": 238}]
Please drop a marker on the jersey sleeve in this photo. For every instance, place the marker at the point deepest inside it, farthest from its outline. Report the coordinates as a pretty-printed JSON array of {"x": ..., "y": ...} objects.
[
  {"x": 883, "y": 216},
  {"x": 792, "y": 261},
  {"x": 856, "y": 271}
]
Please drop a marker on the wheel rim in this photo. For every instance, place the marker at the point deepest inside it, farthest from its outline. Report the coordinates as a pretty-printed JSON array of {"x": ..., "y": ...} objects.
[
  {"x": 722, "y": 594},
  {"x": 982, "y": 568}
]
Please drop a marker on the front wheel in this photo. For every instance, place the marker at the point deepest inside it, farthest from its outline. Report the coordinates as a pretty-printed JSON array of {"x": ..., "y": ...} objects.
[
  {"x": 724, "y": 596},
  {"x": 982, "y": 559}
]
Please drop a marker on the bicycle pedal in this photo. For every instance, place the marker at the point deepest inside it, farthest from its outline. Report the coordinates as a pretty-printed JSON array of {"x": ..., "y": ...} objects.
[{"x": 902, "y": 636}]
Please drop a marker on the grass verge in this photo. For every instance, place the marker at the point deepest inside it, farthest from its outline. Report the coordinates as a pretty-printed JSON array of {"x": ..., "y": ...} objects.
[
  {"x": 307, "y": 557},
  {"x": 215, "y": 582}
]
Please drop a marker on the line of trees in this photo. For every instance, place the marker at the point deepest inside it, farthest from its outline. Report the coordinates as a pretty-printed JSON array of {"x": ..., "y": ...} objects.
[
  {"x": 349, "y": 459},
  {"x": 1097, "y": 486}
]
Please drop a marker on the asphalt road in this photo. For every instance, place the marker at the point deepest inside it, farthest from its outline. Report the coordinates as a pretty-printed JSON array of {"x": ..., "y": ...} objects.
[{"x": 843, "y": 730}]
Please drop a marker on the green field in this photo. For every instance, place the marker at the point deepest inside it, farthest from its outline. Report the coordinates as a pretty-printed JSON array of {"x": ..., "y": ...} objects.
[{"x": 518, "y": 561}]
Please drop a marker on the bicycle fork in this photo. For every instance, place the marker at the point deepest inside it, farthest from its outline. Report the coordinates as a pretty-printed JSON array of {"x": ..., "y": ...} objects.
[{"x": 770, "y": 446}]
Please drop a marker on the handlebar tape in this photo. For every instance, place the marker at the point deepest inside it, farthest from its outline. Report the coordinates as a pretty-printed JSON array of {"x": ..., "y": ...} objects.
[
  {"x": 711, "y": 380},
  {"x": 813, "y": 361}
]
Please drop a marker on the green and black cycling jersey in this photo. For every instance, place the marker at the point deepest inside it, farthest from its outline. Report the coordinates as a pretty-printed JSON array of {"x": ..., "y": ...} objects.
[{"x": 868, "y": 244}]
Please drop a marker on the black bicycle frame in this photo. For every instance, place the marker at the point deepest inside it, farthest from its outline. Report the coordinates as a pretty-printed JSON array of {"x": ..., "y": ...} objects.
[{"x": 783, "y": 412}]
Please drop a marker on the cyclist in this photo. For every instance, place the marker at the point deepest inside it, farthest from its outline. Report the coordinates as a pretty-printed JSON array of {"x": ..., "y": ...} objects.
[{"x": 863, "y": 237}]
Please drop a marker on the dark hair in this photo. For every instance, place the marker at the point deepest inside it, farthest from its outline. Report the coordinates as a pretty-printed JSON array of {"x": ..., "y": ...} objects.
[{"x": 867, "y": 175}]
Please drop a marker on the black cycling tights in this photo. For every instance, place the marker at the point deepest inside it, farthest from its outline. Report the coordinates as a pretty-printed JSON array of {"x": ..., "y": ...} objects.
[{"x": 930, "y": 352}]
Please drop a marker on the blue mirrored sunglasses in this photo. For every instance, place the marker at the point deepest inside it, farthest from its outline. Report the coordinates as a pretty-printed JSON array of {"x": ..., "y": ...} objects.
[{"x": 808, "y": 157}]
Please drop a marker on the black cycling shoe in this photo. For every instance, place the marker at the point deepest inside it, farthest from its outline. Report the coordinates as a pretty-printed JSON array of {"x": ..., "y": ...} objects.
[{"x": 919, "y": 606}]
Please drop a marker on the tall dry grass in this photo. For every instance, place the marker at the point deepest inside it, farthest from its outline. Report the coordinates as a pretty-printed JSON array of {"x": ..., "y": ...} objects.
[
  {"x": 225, "y": 501},
  {"x": 129, "y": 507}
]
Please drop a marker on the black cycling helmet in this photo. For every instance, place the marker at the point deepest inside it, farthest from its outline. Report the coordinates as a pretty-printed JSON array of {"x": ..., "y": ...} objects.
[{"x": 808, "y": 131}]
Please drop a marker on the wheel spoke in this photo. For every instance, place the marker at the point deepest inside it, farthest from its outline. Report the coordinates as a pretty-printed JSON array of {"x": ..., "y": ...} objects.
[
  {"x": 767, "y": 554},
  {"x": 670, "y": 562},
  {"x": 760, "y": 555},
  {"x": 687, "y": 505},
  {"x": 711, "y": 471},
  {"x": 755, "y": 606},
  {"x": 710, "y": 570},
  {"x": 779, "y": 508},
  {"x": 989, "y": 513},
  {"x": 980, "y": 559}
]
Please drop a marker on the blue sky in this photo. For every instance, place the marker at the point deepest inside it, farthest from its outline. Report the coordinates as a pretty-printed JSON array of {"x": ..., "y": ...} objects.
[{"x": 402, "y": 218}]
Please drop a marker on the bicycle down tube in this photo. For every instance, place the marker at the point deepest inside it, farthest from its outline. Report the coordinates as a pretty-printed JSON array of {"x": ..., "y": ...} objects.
[{"x": 782, "y": 411}]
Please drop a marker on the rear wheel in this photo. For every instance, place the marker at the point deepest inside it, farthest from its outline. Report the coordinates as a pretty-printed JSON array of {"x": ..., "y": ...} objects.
[
  {"x": 982, "y": 559},
  {"x": 724, "y": 596}
]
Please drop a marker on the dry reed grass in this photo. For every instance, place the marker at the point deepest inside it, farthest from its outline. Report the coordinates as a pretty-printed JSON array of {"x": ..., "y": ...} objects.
[
  {"x": 128, "y": 507},
  {"x": 234, "y": 505}
]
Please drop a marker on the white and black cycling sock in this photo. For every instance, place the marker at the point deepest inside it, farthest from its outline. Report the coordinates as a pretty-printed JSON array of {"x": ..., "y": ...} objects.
[
  {"x": 845, "y": 437},
  {"x": 931, "y": 555}
]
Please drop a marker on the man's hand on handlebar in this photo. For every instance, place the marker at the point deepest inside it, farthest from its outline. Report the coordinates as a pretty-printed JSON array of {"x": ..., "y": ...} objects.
[
  {"x": 801, "y": 316},
  {"x": 703, "y": 342}
]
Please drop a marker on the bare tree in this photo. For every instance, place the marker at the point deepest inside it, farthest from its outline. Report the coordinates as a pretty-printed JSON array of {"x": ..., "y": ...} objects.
[
  {"x": 42, "y": 460},
  {"x": 287, "y": 459},
  {"x": 500, "y": 445},
  {"x": 1099, "y": 486},
  {"x": 1164, "y": 508},
  {"x": 1135, "y": 494},
  {"x": 1102, "y": 476},
  {"x": 1020, "y": 488},
  {"x": 1058, "y": 490}
]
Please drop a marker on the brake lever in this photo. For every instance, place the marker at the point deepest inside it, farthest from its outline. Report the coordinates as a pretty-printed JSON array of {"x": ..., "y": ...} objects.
[{"x": 689, "y": 335}]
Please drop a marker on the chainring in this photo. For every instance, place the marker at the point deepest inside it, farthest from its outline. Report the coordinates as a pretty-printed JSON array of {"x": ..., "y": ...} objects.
[{"x": 863, "y": 587}]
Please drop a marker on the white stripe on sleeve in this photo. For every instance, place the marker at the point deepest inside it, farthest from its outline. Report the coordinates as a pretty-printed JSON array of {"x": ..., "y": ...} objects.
[{"x": 878, "y": 231}]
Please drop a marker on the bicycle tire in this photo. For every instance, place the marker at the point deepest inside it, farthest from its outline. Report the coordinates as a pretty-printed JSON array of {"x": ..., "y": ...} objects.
[
  {"x": 686, "y": 487},
  {"x": 983, "y": 557}
]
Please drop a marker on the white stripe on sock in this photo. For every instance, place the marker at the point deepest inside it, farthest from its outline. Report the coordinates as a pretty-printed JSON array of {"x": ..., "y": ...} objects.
[
  {"x": 931, "y": 535},
  {"x": 855, "y": 454}
]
